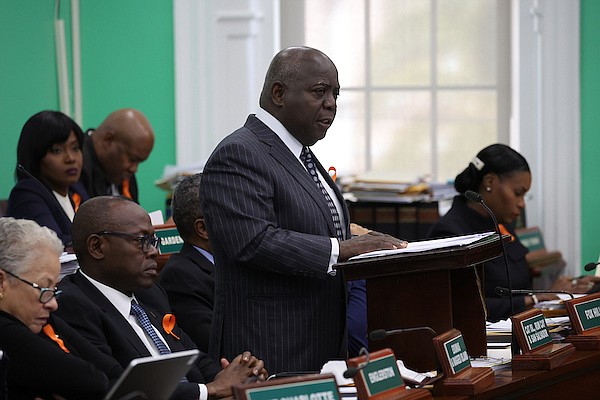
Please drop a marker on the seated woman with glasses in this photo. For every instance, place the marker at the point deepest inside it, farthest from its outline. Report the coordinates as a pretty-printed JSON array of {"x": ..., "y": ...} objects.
[
  {"x": 49, "y": 162},
  {"x": 43, "y": 356}
]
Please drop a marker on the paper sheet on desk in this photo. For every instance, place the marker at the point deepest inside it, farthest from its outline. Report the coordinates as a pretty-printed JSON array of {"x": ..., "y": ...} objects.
[
  {"x": 66, "y": 257},
  {"x": 505, "y": 325},
  {"x": 424, "y": 245}
]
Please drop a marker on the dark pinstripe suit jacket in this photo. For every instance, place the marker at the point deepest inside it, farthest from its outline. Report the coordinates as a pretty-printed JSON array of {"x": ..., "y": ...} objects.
[{"x": 270, "y": 228}]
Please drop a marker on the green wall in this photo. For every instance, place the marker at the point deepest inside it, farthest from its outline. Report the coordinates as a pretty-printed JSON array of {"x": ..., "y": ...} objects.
[
  {"x": 590, "y": 130},
  {"x": 127, "y": 61}
]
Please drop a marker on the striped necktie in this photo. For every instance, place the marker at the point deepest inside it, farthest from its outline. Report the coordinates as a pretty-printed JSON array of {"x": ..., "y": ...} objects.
[
  {"x": 142, "y": 317},
  {"x": 307, "y": 159}
]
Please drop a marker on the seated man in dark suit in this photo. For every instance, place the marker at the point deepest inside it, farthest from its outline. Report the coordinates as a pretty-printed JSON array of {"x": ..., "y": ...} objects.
[
  {"x": 114, "y": 303},
  {"x": 188, "y": 276},
  {"x": 113, "y": 151}
]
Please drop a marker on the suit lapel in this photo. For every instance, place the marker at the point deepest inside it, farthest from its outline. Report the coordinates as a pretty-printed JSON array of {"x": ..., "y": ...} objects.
[
  {"x": 289, "y": 162},
  {"x": 339, "y": 196},
  {"x": 197, "y": 258},
  {"x": 112, "y": 313},
  {"x": 156, "y": 316}
]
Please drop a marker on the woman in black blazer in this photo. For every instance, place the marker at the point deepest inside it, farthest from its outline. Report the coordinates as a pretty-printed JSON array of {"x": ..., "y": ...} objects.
[
  {"x": 49, "y": 163},
  {"x": 502, "y": 178},
  {"x": 42, "y": 356}
]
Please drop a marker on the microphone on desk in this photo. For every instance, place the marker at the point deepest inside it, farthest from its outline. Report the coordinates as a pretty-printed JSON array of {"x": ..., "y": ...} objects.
[
  {"x": 352, "y": 371},
  {"x": 505, "y": 292},
  {"x": 591, "y": 266},
  {"x": 476, "y": 197},
  {"x": 380, "y": 334}
]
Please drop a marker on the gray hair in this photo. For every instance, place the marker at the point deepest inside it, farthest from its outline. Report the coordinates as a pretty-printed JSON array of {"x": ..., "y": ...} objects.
[{"x": 18, "y": 240}]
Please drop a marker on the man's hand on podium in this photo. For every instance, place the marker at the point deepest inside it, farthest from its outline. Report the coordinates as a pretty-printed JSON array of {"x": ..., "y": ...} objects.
[{"x": 370, "y": 241}]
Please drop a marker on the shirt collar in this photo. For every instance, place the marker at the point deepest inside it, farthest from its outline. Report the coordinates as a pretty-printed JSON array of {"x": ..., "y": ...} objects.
[
  {"x": 206, "y": 254},
  {"x": 119, "y": 300},
  {"x": 276, "y": 126}
]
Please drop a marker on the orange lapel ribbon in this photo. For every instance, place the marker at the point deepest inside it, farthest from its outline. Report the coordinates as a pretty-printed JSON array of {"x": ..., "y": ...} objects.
[
  {"x": 505, "y": 231},
  {"x": 49, "y": 331},
  {"x": 168, "y": 323},
  {"x": 125, "y": 189},
  {"x": 76, "y": 200},
  {"x": 332, "y": 173}
]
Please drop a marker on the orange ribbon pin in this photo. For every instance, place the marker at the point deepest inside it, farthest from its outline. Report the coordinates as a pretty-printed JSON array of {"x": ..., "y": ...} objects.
[
  {"x": 169, "y": 324},
  {"x": 332, "y": 173},
  {"x": 505, "y": 231},
  {"x": 49, "y": 331}
]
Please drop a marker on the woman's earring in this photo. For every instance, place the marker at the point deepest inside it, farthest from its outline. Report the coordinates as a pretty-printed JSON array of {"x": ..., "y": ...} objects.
[{"x": 488, "y": 189}]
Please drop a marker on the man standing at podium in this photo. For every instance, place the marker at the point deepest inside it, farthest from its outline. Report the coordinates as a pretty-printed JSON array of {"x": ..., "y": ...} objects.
[{"x": 278, "y": 223}]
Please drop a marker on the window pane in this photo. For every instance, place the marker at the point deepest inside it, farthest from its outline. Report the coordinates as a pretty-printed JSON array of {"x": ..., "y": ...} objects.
[
  {"x": 466, "y": 124},
  {"x": 344, "y": 144},
  {"x": 400, "y": 42},
  {"x": 401, "y": 134},
  {"x": 466, "y": 42},
  {"x": 337, "y": 28}
]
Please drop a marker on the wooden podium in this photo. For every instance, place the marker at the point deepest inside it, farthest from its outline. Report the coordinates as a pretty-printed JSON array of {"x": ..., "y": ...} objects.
[{"x": 436, "y": 288}]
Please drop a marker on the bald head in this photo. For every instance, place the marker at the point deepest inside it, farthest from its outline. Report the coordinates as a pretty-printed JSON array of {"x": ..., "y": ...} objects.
[
  {"x": 285, "y": 67},
  {"x": 300, "y": 90},
  {"x": 112, "y": 240},
  {"x": 121, "y": 142},
  {"x": 95, "y": 215}
]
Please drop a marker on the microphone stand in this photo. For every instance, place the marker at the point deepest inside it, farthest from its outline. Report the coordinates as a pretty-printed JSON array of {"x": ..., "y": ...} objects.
[
  {"x": 352, "y": 371},
  {"x": 476, "y": 197}
]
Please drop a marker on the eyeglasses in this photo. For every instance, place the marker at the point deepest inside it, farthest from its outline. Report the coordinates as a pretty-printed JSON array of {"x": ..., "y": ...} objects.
[
  {"x": 146, "y": 241},
  {"x": 46, "y": 294}
]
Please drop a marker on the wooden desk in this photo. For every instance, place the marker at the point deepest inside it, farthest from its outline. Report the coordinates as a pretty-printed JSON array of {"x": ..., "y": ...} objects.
[
  {"x": 578, "y": 378},
  {"x": 436, "y": 289}
]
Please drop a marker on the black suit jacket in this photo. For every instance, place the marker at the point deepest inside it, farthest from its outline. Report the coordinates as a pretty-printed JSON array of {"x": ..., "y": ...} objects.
[
  {"x": 37, "y": 367},
  {"x": 31, "y": 199},
  {"x": 462, "y": 220},
  {"x": 88, "y": 311},
  {"x": 270, "y": 228},
  {"x": 93, "y": 176},
  {"x": 190, "y": 284}
]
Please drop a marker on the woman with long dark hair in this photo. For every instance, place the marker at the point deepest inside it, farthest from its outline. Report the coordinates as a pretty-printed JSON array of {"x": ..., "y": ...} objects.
[{"x": 49, "y": 162}]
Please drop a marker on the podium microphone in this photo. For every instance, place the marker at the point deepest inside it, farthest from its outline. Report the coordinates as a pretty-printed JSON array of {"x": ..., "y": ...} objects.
[
  {"x": 380, "y": 334},
  {"x": 591, "y": 266},
  {"x": 504, "y": 292},
  {"x": 476, "y": 197},
  {"x": 352, "y": 371}
]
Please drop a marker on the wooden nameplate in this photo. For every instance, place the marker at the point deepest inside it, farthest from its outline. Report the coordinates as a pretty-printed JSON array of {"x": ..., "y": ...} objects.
[
  {"x": 304, "y": 386},
  {"x": 378, "y": 378},
  {"x": 584, "y": 313},
  {"x": 538, "y": 351},
  {"x": 460, "y": 377}
]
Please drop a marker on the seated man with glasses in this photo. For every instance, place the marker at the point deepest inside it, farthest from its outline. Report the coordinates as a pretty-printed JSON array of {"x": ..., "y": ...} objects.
[
  {"x": 114, "y": 302},
  {"x": 42, "y": 356}
]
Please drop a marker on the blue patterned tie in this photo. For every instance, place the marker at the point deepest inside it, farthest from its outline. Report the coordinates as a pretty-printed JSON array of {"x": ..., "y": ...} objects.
[
  {"x": 307, "y": 158},
  {"x": 142, "y": 317}
]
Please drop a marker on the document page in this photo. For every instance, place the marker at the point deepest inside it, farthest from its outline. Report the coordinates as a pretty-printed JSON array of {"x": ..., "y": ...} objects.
[{"x": 424, "y": 245}]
